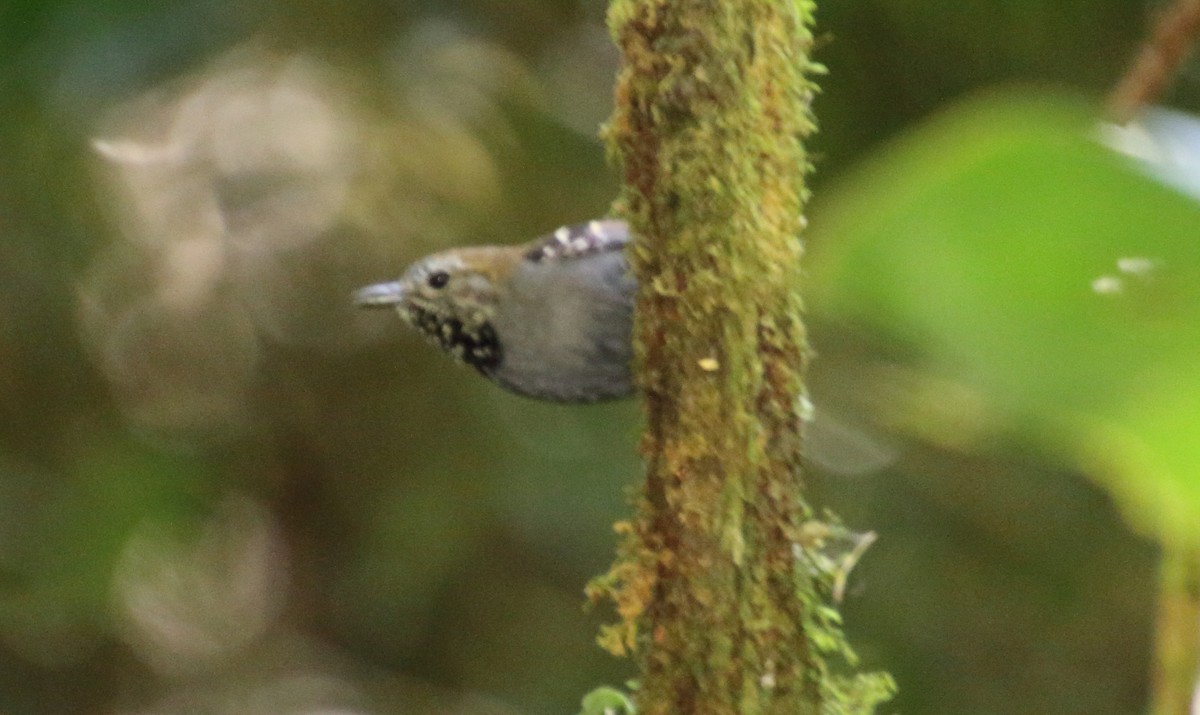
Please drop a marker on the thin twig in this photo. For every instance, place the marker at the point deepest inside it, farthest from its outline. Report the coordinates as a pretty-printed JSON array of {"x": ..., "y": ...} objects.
[{"x": 1171, "y": 42}]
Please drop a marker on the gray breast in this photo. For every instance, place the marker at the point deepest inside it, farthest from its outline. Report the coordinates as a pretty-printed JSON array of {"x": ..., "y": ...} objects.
[{"x": 566, "y": 329}]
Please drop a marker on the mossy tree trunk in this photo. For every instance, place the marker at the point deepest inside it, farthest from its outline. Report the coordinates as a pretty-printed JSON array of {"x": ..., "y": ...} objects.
[{"x": 719, "y": 584}]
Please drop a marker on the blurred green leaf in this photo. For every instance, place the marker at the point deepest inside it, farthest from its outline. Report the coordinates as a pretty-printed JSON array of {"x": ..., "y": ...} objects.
[
  {"x": 606, "y": 700},
  {"x": 1018, "y": 255}
]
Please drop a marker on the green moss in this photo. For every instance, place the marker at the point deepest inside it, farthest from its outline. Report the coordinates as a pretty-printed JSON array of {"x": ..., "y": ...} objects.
[{"x": 719, "y": 603}]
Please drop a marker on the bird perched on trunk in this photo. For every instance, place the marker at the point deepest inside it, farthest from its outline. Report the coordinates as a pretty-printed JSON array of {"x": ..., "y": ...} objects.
[{"x": 550, "y": 319}]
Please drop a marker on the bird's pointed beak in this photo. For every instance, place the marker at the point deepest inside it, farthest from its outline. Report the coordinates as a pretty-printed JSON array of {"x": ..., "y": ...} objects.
[{"x": 380, "y": 295}]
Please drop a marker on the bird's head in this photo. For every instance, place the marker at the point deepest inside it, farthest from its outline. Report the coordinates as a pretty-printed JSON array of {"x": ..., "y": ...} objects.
[{"x": 451, "y": 298}]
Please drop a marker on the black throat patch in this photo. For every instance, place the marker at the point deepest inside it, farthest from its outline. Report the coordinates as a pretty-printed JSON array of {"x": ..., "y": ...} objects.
[{"x": 478, "y": 347}]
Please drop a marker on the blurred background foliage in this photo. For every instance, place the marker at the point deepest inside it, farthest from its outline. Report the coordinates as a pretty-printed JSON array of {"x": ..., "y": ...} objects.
[{"x": 222, "y": 490}]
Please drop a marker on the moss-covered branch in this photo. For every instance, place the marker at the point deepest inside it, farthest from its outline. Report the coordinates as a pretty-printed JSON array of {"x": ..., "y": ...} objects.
[{"x": 719, "y": 586}]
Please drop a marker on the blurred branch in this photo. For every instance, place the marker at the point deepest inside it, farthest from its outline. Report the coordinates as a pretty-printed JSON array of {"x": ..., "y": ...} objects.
[
  {"x": 1171, "y": 42},
  {"x": 720, "y": 583},
  {"x": 1177, "y": 639},
  {"x": 1177, "y": 633}
]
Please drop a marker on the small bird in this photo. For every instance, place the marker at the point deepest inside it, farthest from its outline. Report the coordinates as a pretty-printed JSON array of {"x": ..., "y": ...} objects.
[{"x": 550, "y": 319}]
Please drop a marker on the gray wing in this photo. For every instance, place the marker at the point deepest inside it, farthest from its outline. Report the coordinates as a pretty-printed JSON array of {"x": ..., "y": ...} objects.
[{"x": 572, "y": 340}]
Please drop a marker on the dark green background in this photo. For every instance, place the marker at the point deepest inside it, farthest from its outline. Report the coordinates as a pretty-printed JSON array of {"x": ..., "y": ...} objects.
[{"x": 407, "y": 537}]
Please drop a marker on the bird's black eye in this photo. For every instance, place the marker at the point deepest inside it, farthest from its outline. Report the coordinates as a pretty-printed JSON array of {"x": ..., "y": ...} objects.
[{"x": 438, "y": 279}]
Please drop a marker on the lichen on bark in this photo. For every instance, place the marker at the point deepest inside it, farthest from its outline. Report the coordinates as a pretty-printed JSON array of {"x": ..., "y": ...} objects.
[{"x": 721, "y": 594}]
